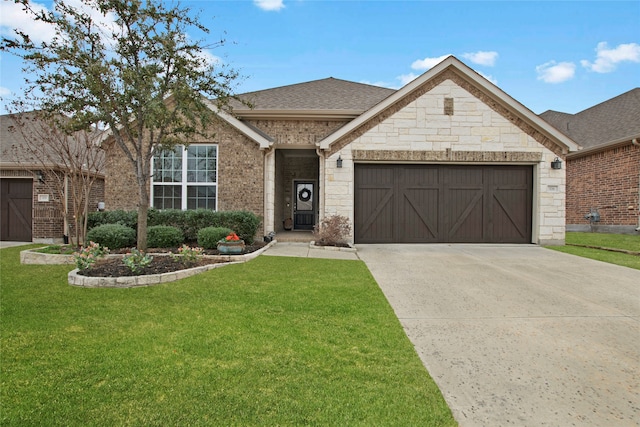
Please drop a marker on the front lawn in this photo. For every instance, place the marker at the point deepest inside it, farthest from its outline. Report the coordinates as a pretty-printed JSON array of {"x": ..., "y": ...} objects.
[
  {"x": 601, "y": 240},
  {"x": 275, "y": 341}
]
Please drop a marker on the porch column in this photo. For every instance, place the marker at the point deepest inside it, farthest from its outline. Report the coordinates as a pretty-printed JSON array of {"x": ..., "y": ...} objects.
[{"x": 269, "y": 190}]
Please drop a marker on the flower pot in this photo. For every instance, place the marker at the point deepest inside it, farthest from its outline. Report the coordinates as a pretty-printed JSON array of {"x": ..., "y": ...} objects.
[{"x": 233, "y": 247}]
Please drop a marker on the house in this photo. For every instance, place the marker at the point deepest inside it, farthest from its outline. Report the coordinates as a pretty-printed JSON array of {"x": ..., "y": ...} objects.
[
  {"x": 447, "y": 158},
  {"x": 603, "y": 179},
  {"x": 35, "y": 182}
]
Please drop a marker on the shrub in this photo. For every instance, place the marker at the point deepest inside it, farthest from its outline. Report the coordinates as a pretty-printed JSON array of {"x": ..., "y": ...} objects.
[
  {"x": 244, "y": 223},
  {"x": 333, "y": 230},
  {"x": 114, "y": 236},
  {"x": 128, "y": 218},
  {"x": 164, "y": 236},
  {"x": 208, "y": 237},
  {"x": 187, "y": 255}
]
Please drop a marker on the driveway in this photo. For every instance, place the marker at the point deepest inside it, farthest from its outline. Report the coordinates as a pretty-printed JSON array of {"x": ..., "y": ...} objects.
[{"x": 518, "y": 334}]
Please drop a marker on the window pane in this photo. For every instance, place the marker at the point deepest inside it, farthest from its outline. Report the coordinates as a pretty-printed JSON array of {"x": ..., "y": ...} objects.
[
  {"x": 167, "y": 166},
  {"x": 167, "y": 197},
  {"x": 201, "y": 163},
  {"x": 201, "y": 197}
]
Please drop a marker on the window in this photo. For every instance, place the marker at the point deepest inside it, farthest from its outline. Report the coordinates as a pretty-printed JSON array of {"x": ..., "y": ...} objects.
[{"x": 185, "y": 178}]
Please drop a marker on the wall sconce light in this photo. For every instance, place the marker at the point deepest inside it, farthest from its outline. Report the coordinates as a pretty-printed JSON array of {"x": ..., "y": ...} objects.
[
  {"x": 339, "y": 162},
  {"x": 556, "y": 164},
  {"x": 40, "y": 175}
]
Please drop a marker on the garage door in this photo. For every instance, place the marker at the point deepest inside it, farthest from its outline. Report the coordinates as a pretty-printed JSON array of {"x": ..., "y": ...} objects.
[
  {"x": 442, "y": 204},
  {"x": 15, "y": 209}
]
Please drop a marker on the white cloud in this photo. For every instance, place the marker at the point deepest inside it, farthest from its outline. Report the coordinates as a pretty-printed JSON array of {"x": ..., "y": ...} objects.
[
  {"x": 482, "y": 57},
  {"x": 426, "y": 63},
  {"x": 488, "y": 77},
  {"x": 407, "y": 78},
  {"x": 552, "y": 72},
  {"x": 607, "y": 59},
  {"x": 269, "y": 5},
  {"x": 4, "y": 91},
  {"x": 12, "y": 17}
]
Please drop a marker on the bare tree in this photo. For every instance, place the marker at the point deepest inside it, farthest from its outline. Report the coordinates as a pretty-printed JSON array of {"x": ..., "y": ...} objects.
[{"x": 72, "y": 163}]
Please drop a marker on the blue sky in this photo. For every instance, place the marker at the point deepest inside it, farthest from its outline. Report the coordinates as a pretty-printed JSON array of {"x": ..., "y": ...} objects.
[{"x": 564, "y": 56}]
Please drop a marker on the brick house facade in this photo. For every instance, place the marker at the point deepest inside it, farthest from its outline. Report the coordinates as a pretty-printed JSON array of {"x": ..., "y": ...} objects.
[
  {"x": 480, "y": 161},
  {"x": 604, "y": 177},
  {"x": 32, "y": 198}
]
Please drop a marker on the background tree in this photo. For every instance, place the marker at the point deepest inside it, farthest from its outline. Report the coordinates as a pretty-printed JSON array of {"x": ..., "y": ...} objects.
[
  {"x": 72, "y": 163},
  {"x": 128, "y": 64}
]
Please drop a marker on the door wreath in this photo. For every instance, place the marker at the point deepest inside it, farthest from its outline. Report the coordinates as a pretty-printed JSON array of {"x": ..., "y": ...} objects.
[{"x": 304, "y": 195}]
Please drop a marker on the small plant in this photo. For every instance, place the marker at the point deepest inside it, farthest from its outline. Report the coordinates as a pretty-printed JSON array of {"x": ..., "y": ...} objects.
[
  {"x": 188, "y": 255},
  {"x": 88, "y": 255},
  {"x": 334, "y": 230},
  {"x": 231, "y": 237},
  {"x": 137, "y": 260}
]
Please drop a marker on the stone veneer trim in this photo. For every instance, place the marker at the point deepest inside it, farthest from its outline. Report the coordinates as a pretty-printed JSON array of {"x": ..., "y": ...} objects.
[{"x": 447, "y": 156}]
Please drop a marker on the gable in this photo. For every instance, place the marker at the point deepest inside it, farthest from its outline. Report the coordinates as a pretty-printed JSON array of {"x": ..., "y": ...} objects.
[{"x": 455, "y": 71}]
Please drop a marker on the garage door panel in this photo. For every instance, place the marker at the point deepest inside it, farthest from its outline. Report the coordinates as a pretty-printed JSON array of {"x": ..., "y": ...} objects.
[
  {"x": 375, "y": 196},
  {"x": 443, "y": 203}
]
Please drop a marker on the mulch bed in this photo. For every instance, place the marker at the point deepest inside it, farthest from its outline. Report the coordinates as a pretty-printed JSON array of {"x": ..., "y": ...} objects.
[{"x": 114, "y": 267}]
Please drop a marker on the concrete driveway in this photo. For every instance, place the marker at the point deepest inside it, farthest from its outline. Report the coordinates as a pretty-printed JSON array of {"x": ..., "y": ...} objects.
[{"x": 518, "y": 334}]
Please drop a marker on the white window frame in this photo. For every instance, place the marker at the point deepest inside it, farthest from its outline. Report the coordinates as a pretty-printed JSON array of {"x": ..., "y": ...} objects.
[{"x": 184, "y": 183}]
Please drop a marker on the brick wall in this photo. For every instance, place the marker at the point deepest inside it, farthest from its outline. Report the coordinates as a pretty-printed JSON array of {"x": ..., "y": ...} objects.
[
  {"x": 240, "y": 174},
  {"x": 607, "y": 180},
  {"x": 297, "y": 132}
]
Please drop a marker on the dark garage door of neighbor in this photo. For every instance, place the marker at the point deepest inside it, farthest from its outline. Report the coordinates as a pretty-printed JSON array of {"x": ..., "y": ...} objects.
[
  {"x": 443, "y": 204},
  {"x": 15, "y": 209}
]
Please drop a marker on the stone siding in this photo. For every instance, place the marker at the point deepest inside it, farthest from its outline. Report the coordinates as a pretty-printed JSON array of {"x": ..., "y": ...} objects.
[
  {"x": 608, "y": 181},
  {"x": 422, "y": 127}
]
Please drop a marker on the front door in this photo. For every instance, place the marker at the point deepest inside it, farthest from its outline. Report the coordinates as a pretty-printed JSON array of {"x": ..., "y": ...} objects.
[{"x": 304, "y": 207}]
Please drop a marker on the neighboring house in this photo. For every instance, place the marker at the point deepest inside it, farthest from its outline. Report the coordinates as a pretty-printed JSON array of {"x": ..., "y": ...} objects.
[
  {"x": 32, "y": 197},
  {"x": 448, "y": 158},
  {"x": 603, "y": 179}
]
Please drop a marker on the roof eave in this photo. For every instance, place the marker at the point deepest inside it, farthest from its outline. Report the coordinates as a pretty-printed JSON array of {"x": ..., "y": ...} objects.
[
  {"x": 262, "y": 141},
  {"x": 298, "y": 114},
  {"x": 606, "y": 146}
]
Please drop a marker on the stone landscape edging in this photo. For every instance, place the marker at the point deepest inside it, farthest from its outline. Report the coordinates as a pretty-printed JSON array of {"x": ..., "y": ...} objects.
[{"x": 76, "y": 279}]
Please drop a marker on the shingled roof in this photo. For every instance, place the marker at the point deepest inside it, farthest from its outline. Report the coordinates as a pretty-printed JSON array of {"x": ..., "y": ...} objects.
[
  {"x": 609, "y": 121},
  {"x": 324, "y": 95}
]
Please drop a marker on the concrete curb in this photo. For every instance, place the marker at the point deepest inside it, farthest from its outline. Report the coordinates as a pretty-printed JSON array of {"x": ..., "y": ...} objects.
[
  {"x": 154, "y": 279},
  {"x": 312, "y": 245}
]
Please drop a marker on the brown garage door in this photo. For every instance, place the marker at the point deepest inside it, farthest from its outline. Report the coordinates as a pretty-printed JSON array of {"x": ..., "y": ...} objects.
[
  {"x": 16, "y": 197},
  {"x": 442, "y": 204}
]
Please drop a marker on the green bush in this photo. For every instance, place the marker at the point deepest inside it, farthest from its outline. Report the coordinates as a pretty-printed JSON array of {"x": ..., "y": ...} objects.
[
  {"x": 208, "y": 237},
  {"x": 164, "y": 236},
  {"x": 244, "y": 223},
  {"x": 128, "y": 218},
  {"x": 113, "y": 236}
]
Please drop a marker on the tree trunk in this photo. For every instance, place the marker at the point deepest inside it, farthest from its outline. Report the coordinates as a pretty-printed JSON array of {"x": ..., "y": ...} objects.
[{"x": 143, "y": 208}]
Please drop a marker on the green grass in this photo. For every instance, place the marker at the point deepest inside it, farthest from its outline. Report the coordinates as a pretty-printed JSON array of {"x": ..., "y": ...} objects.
[
  {"x": 275, "y": 341},
  {"x": 615, "y": 241}
]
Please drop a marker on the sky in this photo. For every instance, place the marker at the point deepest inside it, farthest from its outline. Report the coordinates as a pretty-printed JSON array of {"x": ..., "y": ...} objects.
[{"x": 548, "y": 55}]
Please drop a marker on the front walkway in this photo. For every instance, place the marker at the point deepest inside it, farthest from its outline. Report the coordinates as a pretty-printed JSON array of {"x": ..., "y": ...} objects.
[{"x": 518, "y": 334}]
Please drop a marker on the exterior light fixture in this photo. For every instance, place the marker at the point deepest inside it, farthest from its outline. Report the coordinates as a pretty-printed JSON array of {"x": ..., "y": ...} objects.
[
  {"x": 40, "y": 176},
  {"x": 339, "y": 162},
  {"x": 556, "y": 164}
]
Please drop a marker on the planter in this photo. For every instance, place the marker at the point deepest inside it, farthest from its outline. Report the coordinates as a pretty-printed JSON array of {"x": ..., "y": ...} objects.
[{"x": 233, "y": 247}]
